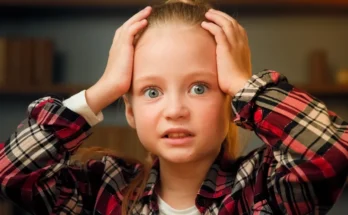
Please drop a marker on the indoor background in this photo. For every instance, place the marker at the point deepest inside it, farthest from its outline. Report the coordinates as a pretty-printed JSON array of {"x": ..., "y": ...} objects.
[{"x": 304, "y": 40}]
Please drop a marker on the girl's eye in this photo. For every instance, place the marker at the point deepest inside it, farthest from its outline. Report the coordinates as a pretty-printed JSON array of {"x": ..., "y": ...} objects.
[
  {"x": 198, "y": 89},
  {"x": 152, "y": 93}
]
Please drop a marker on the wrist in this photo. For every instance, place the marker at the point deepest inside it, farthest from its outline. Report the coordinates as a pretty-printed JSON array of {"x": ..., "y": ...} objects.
[
  {"x": 237, "y": 86},
  {"x": 99, "y": 97}
]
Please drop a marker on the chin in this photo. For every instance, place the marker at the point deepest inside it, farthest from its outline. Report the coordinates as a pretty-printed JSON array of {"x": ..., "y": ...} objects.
[
  {"x": 178, "y": 156},
  {"x": 185, "y": 155}
]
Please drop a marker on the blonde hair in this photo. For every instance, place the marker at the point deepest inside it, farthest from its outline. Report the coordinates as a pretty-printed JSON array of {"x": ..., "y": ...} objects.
[{"x": 189, "y": 12}]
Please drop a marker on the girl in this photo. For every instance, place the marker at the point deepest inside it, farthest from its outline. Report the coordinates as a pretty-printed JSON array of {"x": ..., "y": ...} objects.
[{"x": 179, "y": 67}]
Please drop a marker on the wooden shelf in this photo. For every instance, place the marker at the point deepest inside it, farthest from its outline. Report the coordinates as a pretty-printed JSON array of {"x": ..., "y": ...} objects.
[
  {"x": 325, "y": 89},
  {"x": 41, "y": 90},
  {"x": 122, "y": 3}
]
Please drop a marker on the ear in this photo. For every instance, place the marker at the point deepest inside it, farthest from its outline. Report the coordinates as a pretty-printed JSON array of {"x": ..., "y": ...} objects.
[{"x": 129, "y": 112}]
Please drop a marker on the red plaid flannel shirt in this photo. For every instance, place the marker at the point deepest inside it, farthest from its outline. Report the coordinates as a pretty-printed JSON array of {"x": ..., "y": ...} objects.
[{"x": 301, "y": 169}]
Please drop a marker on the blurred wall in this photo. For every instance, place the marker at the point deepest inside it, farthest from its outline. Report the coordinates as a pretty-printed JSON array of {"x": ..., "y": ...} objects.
[{"x": 280, "y": 42}]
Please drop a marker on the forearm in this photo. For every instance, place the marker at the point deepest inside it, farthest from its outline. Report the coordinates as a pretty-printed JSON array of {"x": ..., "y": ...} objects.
[
  {"x": 299, "y": 128},
  {"x": 50, "y": 131},
  {"x": 35, "y": 157},
  {"x": 307, "y": 144}
]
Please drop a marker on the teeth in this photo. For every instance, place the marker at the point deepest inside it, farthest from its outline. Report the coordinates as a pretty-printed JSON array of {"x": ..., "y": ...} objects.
[{"x": 178, "y": 135}]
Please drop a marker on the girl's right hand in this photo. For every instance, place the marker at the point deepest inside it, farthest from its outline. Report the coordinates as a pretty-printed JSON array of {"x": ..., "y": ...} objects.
[{"x": 117, "y": 77}]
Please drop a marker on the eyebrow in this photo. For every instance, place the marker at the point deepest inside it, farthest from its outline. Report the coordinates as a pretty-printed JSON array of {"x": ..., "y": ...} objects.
[{"x": 196, "y": 73}]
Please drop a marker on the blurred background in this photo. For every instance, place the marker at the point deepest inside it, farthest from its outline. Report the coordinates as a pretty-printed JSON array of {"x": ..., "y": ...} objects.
[{"x": 61, "y": 47}]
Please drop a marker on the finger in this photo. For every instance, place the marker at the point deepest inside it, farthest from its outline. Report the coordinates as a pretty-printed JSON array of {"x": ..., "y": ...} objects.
[
  {"x": 227, "y": 26},
  {"x": 224, "y": 15},
  {"x": 228, "y": 17},
  {"x": 238, "y": 29},
  {"x": 117, "y": 34},
  {"x": 219, "y": 34},
  {"x": 133, "y": 30},
  {"x": 244, "y": 34},
  {"x": 138, "y": 16}
]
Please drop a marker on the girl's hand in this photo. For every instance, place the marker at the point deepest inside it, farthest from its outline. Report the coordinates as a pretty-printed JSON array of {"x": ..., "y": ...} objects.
[
  {"x": 117, "y": 77},
  {"x": 232, "y": 51}
]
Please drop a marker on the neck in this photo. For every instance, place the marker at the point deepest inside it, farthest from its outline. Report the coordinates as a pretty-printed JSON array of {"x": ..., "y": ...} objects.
[{"x": 180, "y": 183}]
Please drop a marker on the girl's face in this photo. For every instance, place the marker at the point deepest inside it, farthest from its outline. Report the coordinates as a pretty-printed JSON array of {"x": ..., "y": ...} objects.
[{"x": 175, "y": 86}]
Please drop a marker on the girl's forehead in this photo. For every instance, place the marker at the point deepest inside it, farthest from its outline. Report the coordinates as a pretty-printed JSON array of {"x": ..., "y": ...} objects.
[
  {"x": 163, "y": 36},
  {"x": 182, "y": 46}
]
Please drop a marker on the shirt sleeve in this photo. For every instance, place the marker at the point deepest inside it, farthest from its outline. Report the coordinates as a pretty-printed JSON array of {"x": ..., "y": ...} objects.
[
  {"x": 78, "y": 104},
  {"x": 36, "y": 171},
  {"x": 309, "y": 142}
]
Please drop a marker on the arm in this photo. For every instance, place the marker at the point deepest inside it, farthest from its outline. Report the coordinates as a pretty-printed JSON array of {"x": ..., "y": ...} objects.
[
  {"x": 308, "y": 142},
  {"x": 34, "y": 168}
]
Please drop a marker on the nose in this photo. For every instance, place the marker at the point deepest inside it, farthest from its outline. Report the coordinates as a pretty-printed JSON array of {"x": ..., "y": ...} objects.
[{"x": 176, "y": 108}]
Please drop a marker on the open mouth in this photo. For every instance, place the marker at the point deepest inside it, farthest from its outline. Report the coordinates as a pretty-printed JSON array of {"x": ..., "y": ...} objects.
[{"x": 177, "y": 135}]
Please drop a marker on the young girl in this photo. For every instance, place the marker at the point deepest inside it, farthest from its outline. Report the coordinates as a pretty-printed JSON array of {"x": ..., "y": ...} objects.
[{"x": 179, "y": 67}]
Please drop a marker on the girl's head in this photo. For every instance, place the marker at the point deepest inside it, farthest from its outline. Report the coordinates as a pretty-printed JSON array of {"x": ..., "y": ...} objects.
[{"x": 175, "y": 87}]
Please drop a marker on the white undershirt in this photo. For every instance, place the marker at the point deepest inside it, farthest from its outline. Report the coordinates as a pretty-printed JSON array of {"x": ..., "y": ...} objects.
[{"x": 165, "y": 209}]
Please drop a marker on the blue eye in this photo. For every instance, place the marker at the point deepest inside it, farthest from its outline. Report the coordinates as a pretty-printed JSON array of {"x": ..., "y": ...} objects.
[
  {"x": 152, "y": 93},
  {"x": 198, "y": 89}
]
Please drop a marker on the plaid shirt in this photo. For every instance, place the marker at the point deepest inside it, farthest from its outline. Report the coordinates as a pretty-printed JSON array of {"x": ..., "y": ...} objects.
[{"x": 301, "y": 169}]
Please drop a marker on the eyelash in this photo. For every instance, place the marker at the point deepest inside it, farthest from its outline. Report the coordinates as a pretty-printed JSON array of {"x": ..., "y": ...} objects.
[
  {"x": 201, "y": 83},
  {"x": 149, "y": 88},
  {"x": 155, "y": 87}
]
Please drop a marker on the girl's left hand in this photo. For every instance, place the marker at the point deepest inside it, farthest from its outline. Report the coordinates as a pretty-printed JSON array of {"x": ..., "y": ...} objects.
[{"x": 232, "y": 51}]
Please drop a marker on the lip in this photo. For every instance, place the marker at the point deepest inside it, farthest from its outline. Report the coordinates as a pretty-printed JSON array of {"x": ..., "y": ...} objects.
[
  {"x": 178, "y": 141},
  {"x": 177, "y": 130}
]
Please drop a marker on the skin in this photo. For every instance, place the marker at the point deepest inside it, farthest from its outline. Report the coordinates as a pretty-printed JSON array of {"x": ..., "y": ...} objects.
[
  {"x": 170, "y": 63},
  {"x": 173, "y": 61}
]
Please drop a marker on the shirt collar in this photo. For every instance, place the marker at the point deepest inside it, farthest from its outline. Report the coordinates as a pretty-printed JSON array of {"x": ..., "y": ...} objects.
[{"x": 218, "y": 181}]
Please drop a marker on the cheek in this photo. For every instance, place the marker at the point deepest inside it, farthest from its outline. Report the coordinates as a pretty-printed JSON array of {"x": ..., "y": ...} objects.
[
  {"x": 146, "y": 120},
  {"x": 215, "y": 118}
]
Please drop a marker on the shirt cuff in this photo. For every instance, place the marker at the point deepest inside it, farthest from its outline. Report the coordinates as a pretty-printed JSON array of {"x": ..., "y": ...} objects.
[
  {"x": 243, "y": 103},
  {"x": 78, "y": 104}
]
